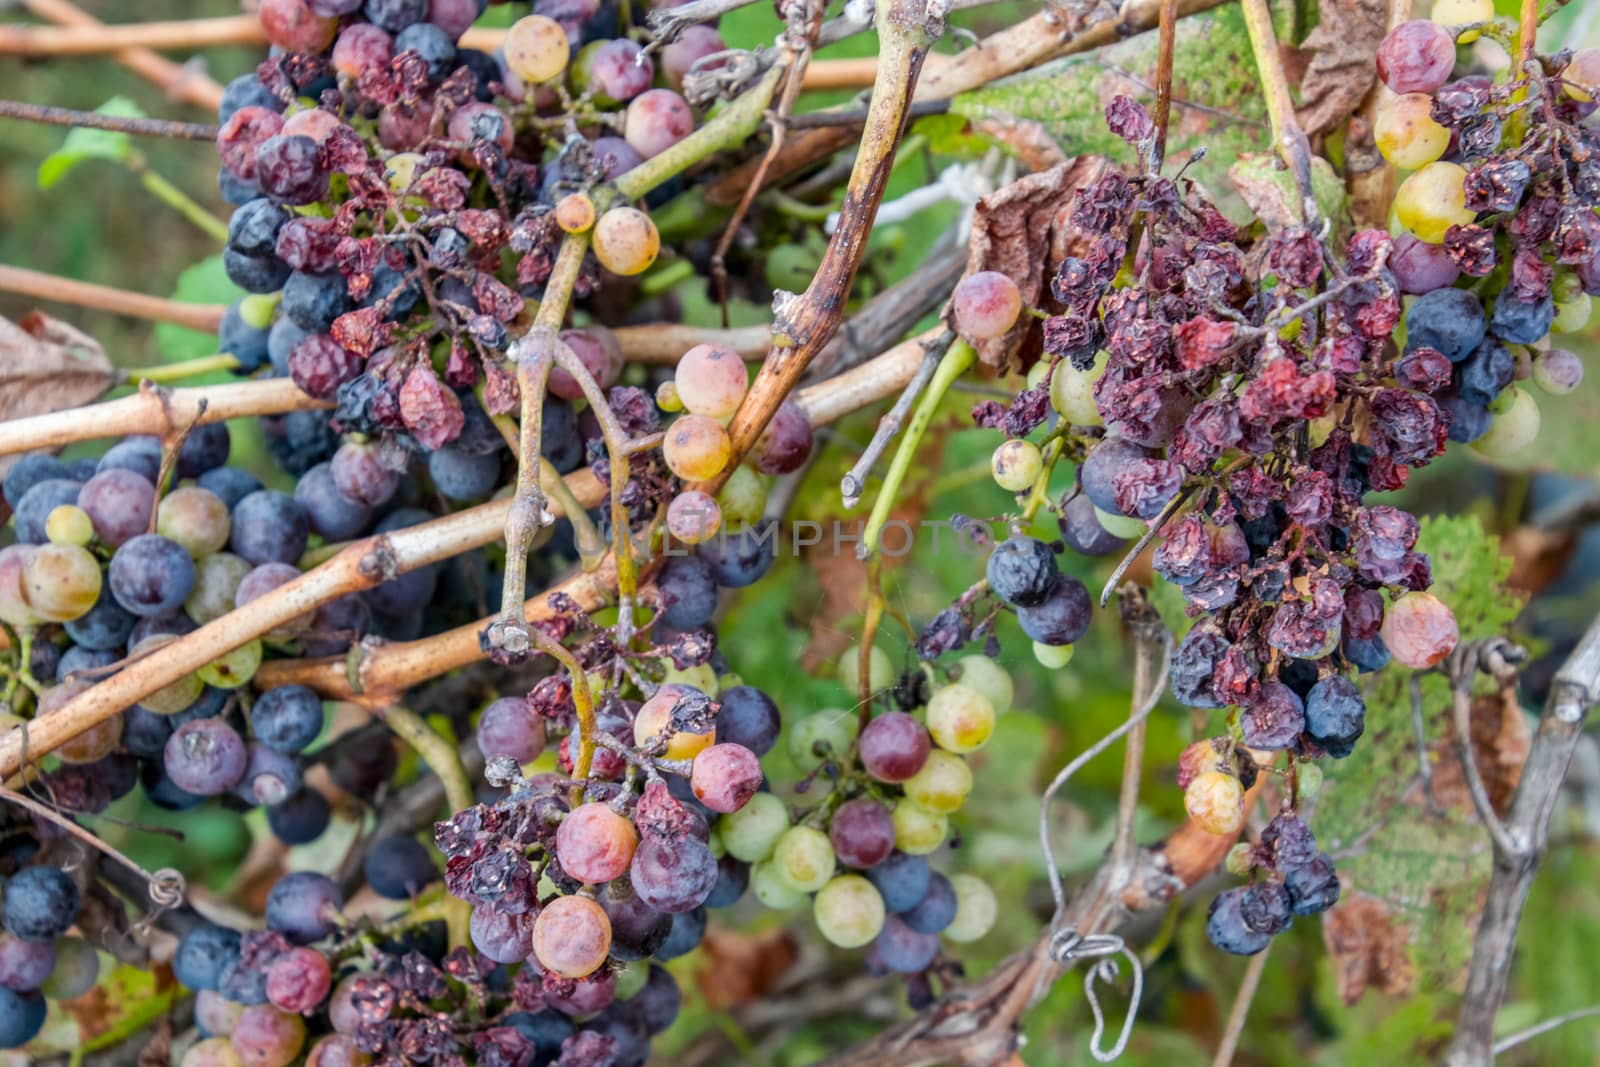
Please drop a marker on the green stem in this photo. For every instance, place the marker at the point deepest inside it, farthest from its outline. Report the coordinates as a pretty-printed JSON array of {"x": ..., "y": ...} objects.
[
  {"x": 437, "y": 752},
  {"x": 180, "y": 201},
  {"x": 659, "y": 281},
  {"x": 952, "y": 366},
  {"x": 189, "y": 368}
]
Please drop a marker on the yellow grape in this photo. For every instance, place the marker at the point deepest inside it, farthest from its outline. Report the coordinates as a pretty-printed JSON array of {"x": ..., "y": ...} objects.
[
  {"x": 61, "y": 582},
  {"x": 1432, "y": 200},
  {"x": 917, "y": 830},
  {"x": 711, "y": 380},
  {"x": 575, "y": 213},
  {"x": 68, "y": 524},
  {"x": 960, "y": 718},
  {"x": 943, "y": 783},
  {"x": 1215, "y": 801},
  {"x": 536, "y": 49},
  {"x": 1016, "y": 464},
  {"x": 696, "y": 448},
  {"x": 849, "y": 911},
  {"x": 976, "y": 908},
  {"x": 1462, "y": 13},
  {"x": 654, "y": 719},
  {"x": 626, "y": 241},
  {"x": 1582, "y": 75},
  {"x": 1406, "y": 133}
]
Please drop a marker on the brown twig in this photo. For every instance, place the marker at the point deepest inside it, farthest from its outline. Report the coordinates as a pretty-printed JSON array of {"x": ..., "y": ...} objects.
[
  {"x": 1167, "y": 22},
  {"x": 1527, "y": 826},
  {"x": 803, "y": 325},
  {"x": 154, "y": 410},
  {"x": 95, "y": 120},
  {"x": 203, "y": 317},
  {"x": 86, "y": 40},
  {"x": 665, "y": 343},
  {"x": 177, "y": 80}
]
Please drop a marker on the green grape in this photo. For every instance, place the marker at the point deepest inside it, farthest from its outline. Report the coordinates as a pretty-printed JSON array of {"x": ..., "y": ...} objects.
[
  {"x": 68, "y": 524},
  {"x": 1052, "y": 656},
  {"x": 173, "y": 698},
  {"x": 1036, "y": 374},
  {"x": 76, "y": 972},
  {"x": 14, "y": 609},
  {"x": 631, "y": 978},
  {"x": 257, "y": 309},
  {"x": 1241, "y": 860},
  {"x": 742, "y": 498},
  {"x": 828, "y": 732},
  {"x": 1122, "y": 526},
  {"x": 943, "y": 783},
  {"x": 216, "y": 586},
  {"x": 401, "y": 170},
  {"x": 1572, "y": 315},
  {"x": 960, "y": 718},
  {"x": 1432, "y": 200},
  {"x": 667, "y": 398},
  {"x": 1015, "y": 465},
  {"x": 212, "y": 1052},
  {"x": 772, "y": 890},
  {"x": 703, "y": 677},
  {"x": 233, "y": 669},
  {"x": 989, "y": 678},
  {"x": 880, "y": 670},
  {"x": 750, "y": 833},
  {"x": 976, "y": 908},
  {"x": 1462, "y": 13},
  {"x": 61, "y": 582},
  {"x": 804, "y": 858},
  {"x": 1072, "y": 391},
  {"x": 195, "y": 518},
  {"x": 1513, "y": 430},
  {"x": 1310, "y": 780},
  {"x": 1405, "y": 132},
  {"x": 849, "y": 912},
  {"x": 918, "y": 830}
]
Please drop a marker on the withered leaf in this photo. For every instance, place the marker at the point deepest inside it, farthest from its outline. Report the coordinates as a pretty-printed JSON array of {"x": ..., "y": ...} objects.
[
  {"x": 736, "y": 967},
  {"x": 47, "y": 365},
  {"x": 1343, "y": 61},
  {"x": 1018, "y": 231},
  {"x": 1369, "y": 947}
]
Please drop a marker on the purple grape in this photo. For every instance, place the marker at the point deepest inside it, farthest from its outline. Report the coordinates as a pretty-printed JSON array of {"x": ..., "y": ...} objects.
[
  {"x": 205, "y": 757},
  {"x": 748, "y": 717},
  {"x": 673, "y": 877},
  {"x": 399, "y": 867},
  {"x": 903, "y": 949},
  {"x": 937, "y": 908},
  {"x": 36, "y": 505},
  {"x": 1081, "y": 529},
  {"x": 301, "y": 818},
  {"x": 303, "y": 906},
  {"x": 902, "y": 880},
  {"x": 1063, "y": 616},
  {"x": 269, "y": 527},
  {"x": 862, "y": 833},
  {"x": 1420, "y": 267},
  {"x": 329, "y": 513},
  {"x": 151, "y": 576}
]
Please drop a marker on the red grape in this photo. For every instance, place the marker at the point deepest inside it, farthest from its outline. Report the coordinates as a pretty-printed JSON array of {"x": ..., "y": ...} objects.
[
  {"x": 572, "y": 936},
  {"x": 298, "y": 980},
  {"x": 725, "y": 777},
  {"x": 862, "y": 832},
  {"x": 1416, "y": 57},
  {"x": 894, "y": 747},
  {"x": 785, "y": 445},
  {"x": 1419, "y": 630},
  {"x": 294, "y": 27},
  {"x": 267, "y": 1037},
  {"x": 595, "y": 844},
  {"x": 985, "y": 304},
  {"x": 656, "y": 121},
  {"x": 688, "y": 48}
]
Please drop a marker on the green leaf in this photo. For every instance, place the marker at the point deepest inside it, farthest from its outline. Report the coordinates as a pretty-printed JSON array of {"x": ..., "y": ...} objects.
[
  {"x": 205, "y": 282},
  {"x": 82, "y": 145},
  {"x": 1429, "y": 868}
]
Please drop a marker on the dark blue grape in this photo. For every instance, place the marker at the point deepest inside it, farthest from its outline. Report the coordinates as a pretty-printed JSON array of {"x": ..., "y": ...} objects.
[
  {"x": 637, "y": 929},
  {"x": 144, "y": 733},
  {"x": 748, "y": 717},
  {"x": 1081, "y": 529},
  {"x": 203, "y": 954},
  {"x": 300, "y": 440},
  {"x": 1466, "y": 421},
  {"x": 161, "y": 790},
  {"x": 1484, "y": 375},
  {"x": 29, "y": 471},
  {"x": 37, "y": 504},
  {"x": 546, "y": 1030},
  {"x": 1063, "y": 616},
  {"x": 1264, "y": 907},
  {"x": 1520, "y": 322},
  {"x": 44, "y": 659},
  {"x": 559, "y": 440},
  {"x": 142, "y": 455},
  {"x": 1336, "y": 715},
  {"x": 937, "y": 908},
  {"x": 104, "y": 627},
  {"x": 255, "y": 274},
  {"x": 313, "y": 301},
  {"x": 1288, "y": 841},
  {"x": 461, "y": 476},
  {"x": 901, "y": 880},
  {"x": 688, "y": 589},
  {"x": 1226, "y": 928},
  {"x": 1448, "y": 320},
  {"x": 246, "y": 91},
  {"x": 659, "y": 1001},
  {"x": 1274, "y": 718},
  {"x": 385, "y": 280},
  {"x": 688, "y": 930},
  {"x": 301, "y": 818},
  {"x": 269, "y": 527},
  {"x": 1022, "y": 571},
  {"x": 151, "y": 575},
  {"x": 281, "y": 339},
  {"x": 733, "y": 876},
  {"x": 399, "y": 867},
  {"x": 21, "y": 1017},
  {"x": 739, "y": 559},
  {"x": 234, "y": 189},
  {"x": 78, "y": 658},
  {"x": 1194, "y": 664},
  {"x": 393, "y": 16},
  {"x": 329, "y": 512},
  {"x": 83, "y": 468},
  {"x": 361, "y": 770},
  {"x": 432, "y": 44},
  {"x": 270, "y": 776},
  {"x": 230, "y": 484},
  {"x": 244, "y": 342},
  {"x": 40, "y": 903},
  {"x": 287, "y": 717},
  {"x": 243, "y": 985},
  {"x": 904, "y": 949},
  {"x": 303, "y": 906},
  {"x": 1313, "y": 888},
  {"x": 253, "y": 229},
  {"x": 1101, "y": 466},
  {"x": 172, "y": 624},
  {"x": 1366, "y": 655},
  {"x": 484, "y": 68},
  {"x": 204, "y": 448}
]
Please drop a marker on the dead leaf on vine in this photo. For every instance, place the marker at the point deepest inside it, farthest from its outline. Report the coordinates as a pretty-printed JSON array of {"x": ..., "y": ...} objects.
[
  {"x": 47, "y": 365},
  {"x": 1500, "y": 743},
  {"x": 1270, "y": 190},
  {"x": 1342, "y": 67},
  {"x": 1019, "y": 230},
  {"x": 1369, "y": 947},
  {"x": 736, "y": 967},
  {"x": 1538, "y": 556}
]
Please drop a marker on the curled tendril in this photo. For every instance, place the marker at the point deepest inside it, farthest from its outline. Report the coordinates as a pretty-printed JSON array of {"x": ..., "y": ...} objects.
[{"x": 1067, "y": 947}]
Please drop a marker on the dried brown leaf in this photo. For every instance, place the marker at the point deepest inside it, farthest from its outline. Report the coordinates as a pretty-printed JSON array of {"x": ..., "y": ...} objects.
[
  {"x": 737, "y": 967},
  {"x": 1369, "y": 947},
  {"x": 1343, "y": 61},
  {"x": 1020, "y": 230},
  {"x": 1500, "y": 742},
  {"x": 1538, "y": 556},
  {"x": 47, "y": 365}
]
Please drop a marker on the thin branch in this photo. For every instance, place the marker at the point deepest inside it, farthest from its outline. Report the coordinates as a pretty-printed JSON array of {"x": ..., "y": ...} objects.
[
  {"x": 1527, "y": 33},
  {"x": 1167, "y": 22},
  {"x": 855, "y": 480},
  {"x": 665, "y": 342},
  {"x": 86, "y": 40},
  {"x": 1240, "y": 1011},
  {"x": 1150, "y": 642},
  {"x": 1463, "y": 668},
  {"x": 1288, "y": 138},
  {"x": 203, "y": 317},
  {"x": 1143, "y": 543},
  {"x": 816, "y": 120},
  {"x": 177, "y": 80},
  {"x": 155, "y": 411},
  {"x": 1527, "y": 823},
  {"x": 95, "y": 120},
  {"x": 1511, "y": 1041}
]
